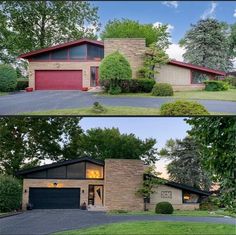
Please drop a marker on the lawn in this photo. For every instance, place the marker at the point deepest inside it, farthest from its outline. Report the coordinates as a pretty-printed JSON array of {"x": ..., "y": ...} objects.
[
  {"x": 152, "y": 227},
  {"x": 229, "y": 95},
  {"x": 3, "y": 93}
]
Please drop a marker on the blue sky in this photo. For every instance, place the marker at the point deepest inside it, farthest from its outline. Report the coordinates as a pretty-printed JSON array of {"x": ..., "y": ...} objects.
[
  {"x": 179, "y": 14},
  {"x": 159, "y": 128}
]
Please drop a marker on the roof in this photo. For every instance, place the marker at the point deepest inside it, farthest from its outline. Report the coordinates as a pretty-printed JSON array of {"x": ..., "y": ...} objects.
[
  {"x": 64, "y": 45},
  {"x": 185, "y": 187},
  {"x": 232, "y": 73},
  {"x": 61, "y": 163},
  {"x": 196, "y": 67}
]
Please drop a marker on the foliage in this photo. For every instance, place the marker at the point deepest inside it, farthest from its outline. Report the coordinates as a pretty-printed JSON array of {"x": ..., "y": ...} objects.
[
  {"x": 29, "y": 25},
  {"x": 32, "y": 139},
  {"x": 110, "y": 143},
  {"x": 164, "y": 208},
  {"x": 98, "y": 108},
  {"x": 183, "y": 108},
  {"x": 214, "y": 85},
  {"x": 10, "y": 193},
  {"x": 126, "y": 28},
  {"x": 7, "y": 78},
  {"x": 162, "y": 89},
  {"x": 231, "y": 80},
  {"x": 207, "y": 44},
  {"x": 232, "y": 40},
  {"x": 185, "y": 166},
  {"x": 22, "y": 84},
  {"x": 210, "y": 204},
  {"x": 216, "y": 137},
  {"x": 114, "y": 90},
  {"x": 132, "y": 85}
]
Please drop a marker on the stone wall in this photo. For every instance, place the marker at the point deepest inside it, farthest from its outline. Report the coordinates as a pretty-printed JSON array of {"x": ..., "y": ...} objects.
[
  {"x": 123, "y": 178},
  {"x": 133, "y": 49}
]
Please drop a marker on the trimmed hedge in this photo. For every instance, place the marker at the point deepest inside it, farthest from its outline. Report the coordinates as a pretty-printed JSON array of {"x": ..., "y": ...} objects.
[
  {"x": 164, "y": 208},
  {"x": 10, "y": 193},
  {"x": 162, "y": 89},
  {"x": 8, "y": 77},
  {"x": 22, "y": 84},
  {"x": 214, "y": 85},
  {"x": 183, "y": 108},
  {"x": 132, "y": 85}
]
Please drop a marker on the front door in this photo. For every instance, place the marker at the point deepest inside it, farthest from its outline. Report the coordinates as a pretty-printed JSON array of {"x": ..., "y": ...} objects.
[
  {"x": 95, "y": 196},
  {"x": 94, "y": 76}
]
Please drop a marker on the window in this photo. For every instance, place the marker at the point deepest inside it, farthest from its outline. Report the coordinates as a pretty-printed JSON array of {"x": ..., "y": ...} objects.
[
  {"x": 59, "y": 54},
  {"x": 37, "y": 175},
  {"x": 78, "y": 52},
  {"x": 95, "y": 52},
  {"x": 76, "y": 170},
  {"x": 44, "y": 56},
  {"x": 57, "y": 172},
  {"x": 94, "y": 171},
  {"x": 166, "y": 194},
  {"x": 199, "y": 77},
  {"x": 93, "y": 76},
  {"x": 190, "y": 197}
]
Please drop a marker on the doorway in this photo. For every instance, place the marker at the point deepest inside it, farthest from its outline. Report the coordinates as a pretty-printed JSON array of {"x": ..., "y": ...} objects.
[{"x": 95, "y": 195}]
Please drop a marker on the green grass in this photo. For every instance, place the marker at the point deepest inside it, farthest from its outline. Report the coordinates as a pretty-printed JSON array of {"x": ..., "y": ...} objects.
[
  {"x": 3, "y": 93},
  {"x": 229, "y": 95},
  {"x": 151, "y": 227}
]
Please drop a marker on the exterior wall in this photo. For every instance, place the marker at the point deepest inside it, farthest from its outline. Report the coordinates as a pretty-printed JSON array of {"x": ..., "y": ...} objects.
[
  {"x": 84, "y": 66},
  {"x": 176, "y": 199},
  {"x": 178, "y": 77},
  {"x": 133, "y": 49},
  {"x": 123, "y": 178},
  {"x": 82, "y": 184}
]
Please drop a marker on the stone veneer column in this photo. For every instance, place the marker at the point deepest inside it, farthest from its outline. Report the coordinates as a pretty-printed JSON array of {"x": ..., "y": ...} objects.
[
  {"x": 123, "y": 177},
  {"x": 133, "y": 49}
]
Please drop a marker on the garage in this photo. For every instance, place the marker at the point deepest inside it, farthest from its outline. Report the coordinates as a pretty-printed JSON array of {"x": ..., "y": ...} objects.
[
  {"x": 54, "y": 198},
  {"x": 58, "y": 80}
]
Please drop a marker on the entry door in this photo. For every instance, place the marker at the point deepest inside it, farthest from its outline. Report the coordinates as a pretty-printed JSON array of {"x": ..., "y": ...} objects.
[
  {"x": 94, "y": 76},
  {"x": 98, "y": 195}
]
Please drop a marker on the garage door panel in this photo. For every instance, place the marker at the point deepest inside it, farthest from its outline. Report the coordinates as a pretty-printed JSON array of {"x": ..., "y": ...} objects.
[
  {"x": 54, "y": 198},
  {"x": 58, "y": 80}
]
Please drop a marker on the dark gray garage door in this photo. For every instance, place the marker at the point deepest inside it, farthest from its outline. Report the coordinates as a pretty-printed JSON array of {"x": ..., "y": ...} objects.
[{"x": 54, "y": 198}]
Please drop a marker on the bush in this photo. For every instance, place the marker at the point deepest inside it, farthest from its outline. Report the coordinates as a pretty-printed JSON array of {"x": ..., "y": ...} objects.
[
  {"x": 210, "y": 203},
  {"x": 231, "y": 81},
  {"x": 22, "y": 84},
  {"x": 10, "y": 193},
  {"x": 183, "y": 108},
  {"x": 164, "y": 208},
  {"x": 7, "y": 78},
  {"x": 98, "y": 108},
  {"x": 114, "y": 90},
  {"x": 214, "y": 85},
  {"x": 115, "y": 67},
  {"x": 162, "y": 89},
  {"x": 146, "y": 84}
]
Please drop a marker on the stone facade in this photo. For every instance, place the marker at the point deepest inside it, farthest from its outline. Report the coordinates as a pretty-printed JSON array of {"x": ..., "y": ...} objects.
[
  {"x": 122, "y": 179},
  {"x": 133, "y": 49},
  {"x": 45, "y": 183},
  {"x": 83, "y": 65}
]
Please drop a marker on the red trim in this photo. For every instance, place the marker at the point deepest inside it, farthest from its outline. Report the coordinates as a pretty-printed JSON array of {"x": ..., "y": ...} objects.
[
  {"x": 67, "y": 44},
  {"x": 83, "y": 60},
  {"x": 196, "y": 67}
]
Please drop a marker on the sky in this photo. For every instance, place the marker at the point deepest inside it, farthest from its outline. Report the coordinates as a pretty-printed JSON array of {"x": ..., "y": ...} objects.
[
  {"x": 159, "y": 128},
  {"x": 179, "y": 15}
]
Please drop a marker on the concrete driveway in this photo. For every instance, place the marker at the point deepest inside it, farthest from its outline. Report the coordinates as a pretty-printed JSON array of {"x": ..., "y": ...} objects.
[
  {"x": 49, "y": 100},
  {"x": 49, "y": 221}
]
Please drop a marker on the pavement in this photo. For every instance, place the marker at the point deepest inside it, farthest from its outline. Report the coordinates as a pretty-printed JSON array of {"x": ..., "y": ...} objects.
[
  {"x": 22, "y": 102},
  {"x": 50, "y": 221}
]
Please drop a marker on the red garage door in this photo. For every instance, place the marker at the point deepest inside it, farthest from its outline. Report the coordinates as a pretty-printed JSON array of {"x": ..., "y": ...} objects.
[{"x": 58, "y": 80}]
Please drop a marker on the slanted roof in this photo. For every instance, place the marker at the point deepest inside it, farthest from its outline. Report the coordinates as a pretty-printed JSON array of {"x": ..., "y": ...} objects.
[
  {"x": 64, "y": 45},
  {"x": 196, "y": 67},
  {"x": 61, "y": 163}
]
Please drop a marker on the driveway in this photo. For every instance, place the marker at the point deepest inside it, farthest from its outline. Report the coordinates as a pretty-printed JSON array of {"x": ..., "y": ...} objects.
[
  {"x": 49, "y": 100},
  {"x": 49, "y": 221}
]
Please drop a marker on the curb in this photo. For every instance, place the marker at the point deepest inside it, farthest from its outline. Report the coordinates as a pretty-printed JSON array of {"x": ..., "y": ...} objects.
[{"x": 10, "y": 214}]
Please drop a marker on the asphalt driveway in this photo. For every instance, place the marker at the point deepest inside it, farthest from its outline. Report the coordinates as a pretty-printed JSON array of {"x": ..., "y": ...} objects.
[
  {"x": 49, "y": 221},
  {"x": 49, "y": 100}
]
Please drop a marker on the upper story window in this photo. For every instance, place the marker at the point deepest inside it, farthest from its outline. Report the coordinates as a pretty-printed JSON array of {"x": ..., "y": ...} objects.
[
  {"x": 199, "y": 77},
  {"x": 59, "y": 54},
  {"x": 78, "y": 52},
  {"x": 94, "y": 171}
]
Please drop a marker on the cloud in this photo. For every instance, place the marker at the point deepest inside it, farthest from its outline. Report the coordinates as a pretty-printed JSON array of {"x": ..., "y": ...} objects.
[
  {"x": 171, "y": 3},
  {"x": 210, "y": 12},
  {"x": 235, "y": 13},
  {"x": 169, "y": 26},
  {"x": 175, "y": 52}
]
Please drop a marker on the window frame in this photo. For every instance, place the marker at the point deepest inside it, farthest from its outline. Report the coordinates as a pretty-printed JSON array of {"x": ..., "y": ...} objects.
[{"x": 202, "y": 83}]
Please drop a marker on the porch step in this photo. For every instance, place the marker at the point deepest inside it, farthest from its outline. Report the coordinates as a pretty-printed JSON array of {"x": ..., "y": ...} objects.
[
  {"x": 96, "y": 208},
  {"x": 95, "y": 89}
]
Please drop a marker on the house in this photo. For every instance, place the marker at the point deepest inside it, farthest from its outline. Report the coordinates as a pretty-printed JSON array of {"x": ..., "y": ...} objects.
[
  {"x": 75, "y": 65},
  {"x": 103, "y": 185}
]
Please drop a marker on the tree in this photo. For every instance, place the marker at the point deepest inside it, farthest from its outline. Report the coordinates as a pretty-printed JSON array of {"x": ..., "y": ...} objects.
[
  {"x": 126, "y": 28},
  {"x": 232, "y": 40},
  {"x": 110, "y": 143},
  {"x": 216, "y": 137},
  {"x": 29, "y": 25},
  {"x": 207, "y": 44},
  {"x": 185, "y": 166},
  {"x": 24, "y": 141}
]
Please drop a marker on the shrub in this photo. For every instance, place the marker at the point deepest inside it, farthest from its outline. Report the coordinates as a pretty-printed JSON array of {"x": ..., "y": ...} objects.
[
  {"x": 162, "y": 89},
  {"x": 22, "y": 84},
  {"x": 183, "y": 108},
  {"x": 98, "y": 108},
  {"x": 10, "y": 193},
  {"x": 231, "y": 81},
  {"x": 114, "y": 90},
  {"x": 164, "y": 208},
  {"x": 214, "y": 85},
  {"x": 7, "y": 78},
  {"x": 210, "y": 203},
  {"x": 115, "y": 67},
  {"x": 146, "y": 84}
]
